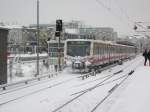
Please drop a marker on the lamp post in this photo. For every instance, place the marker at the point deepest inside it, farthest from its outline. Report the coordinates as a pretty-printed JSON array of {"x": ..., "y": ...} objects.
[{"x": 37, "y": 38}]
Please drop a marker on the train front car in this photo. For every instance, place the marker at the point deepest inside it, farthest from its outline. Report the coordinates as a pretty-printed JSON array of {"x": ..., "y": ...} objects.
[
  {"x": 77, "y": 52},
  {"x": 89, "y": 55}
]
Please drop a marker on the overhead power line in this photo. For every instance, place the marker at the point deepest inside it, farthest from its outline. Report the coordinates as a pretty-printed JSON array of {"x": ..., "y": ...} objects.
[
  {"x": 123, "y": 11},
  {"x": 109, "y": 9}
]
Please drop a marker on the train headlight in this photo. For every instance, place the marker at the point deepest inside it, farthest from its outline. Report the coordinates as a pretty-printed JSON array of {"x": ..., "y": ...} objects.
[{"x": 87, "y": 63}]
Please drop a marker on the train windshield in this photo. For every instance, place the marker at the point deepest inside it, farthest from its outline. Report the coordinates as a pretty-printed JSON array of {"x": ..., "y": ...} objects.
[{"x": 78, "y": 48}]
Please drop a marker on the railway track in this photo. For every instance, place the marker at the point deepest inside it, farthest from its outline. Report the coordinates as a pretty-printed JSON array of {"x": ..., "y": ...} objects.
[
  {"x": 111, "y": 91},
  {"x": 34, "y": 92},
  {"x": 103, "y": 77},
  {"x": 81, "y": 93},
  {"x": 6, "y": 86},
  {"x": 48, "y": 87}
]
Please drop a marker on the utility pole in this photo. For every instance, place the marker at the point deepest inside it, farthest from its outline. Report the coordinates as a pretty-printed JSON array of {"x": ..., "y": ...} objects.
[
  {"x": 59, "y": 55},
  {"x": 37, "y": 38}
]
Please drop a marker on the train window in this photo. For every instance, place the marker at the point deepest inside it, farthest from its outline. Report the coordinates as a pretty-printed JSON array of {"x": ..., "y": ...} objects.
[
  {"x": 55, "y": 54},
  {"x": 61, "y": 49},
  {"x": 53, "y": 44},
  {"x": 105, "y": 49},
  {"x": 110, "y": 50},
  {"x": 99, "y": 49},
  {"x": 61, "y": 44},
  {"x": 62, "y": 54},
  {"x": 56, "y": 44},
  {"x": 96, "y": 49},
  {"x": 117, "y": 49},
  {"x": 78, "y": 48},
  {"x": 102, "y": 49},
  {"x": 52, "y": 49}
]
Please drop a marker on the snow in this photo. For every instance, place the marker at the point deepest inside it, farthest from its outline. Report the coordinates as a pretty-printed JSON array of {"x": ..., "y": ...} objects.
[
  {"x": 22, "y": 70},
  {"x": 72, "y": 31},
  {"x": 136, "y": 96},
  {"x": 10, "y": 27},
  {"x": 28, "y": 55},
  {"x": 47, "y": 95},
  {"x": 27, "y": 70}
]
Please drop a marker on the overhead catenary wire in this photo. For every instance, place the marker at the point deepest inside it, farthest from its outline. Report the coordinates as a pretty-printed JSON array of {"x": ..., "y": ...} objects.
[
  {"x": 124, "y": 12},
  {"x": 129, "y": 19},
  {"x": 109, "y": 9}
]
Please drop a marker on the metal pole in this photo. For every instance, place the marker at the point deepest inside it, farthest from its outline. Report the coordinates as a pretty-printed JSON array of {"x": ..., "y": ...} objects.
[
  {"x": 37, "y": 37},
  {"x": 59, "y": 55}
]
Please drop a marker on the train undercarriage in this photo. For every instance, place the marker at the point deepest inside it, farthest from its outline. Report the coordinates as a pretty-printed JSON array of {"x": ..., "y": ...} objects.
[{"x": 82, "y": 67}]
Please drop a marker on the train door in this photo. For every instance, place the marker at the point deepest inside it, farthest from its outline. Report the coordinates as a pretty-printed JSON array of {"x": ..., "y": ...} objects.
[
  {"x": 100, "y": 53},
  {"x": 109, "y": 52},
  {"x": 104, "y": 55},
  {"x": 113, "y": 52},
  {"x": 117, "y": 53}
]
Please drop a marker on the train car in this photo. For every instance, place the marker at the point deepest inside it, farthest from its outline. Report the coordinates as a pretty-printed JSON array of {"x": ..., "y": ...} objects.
[
  {"x": 93, "y": 54},
  {"x": 54, "y": 54}
]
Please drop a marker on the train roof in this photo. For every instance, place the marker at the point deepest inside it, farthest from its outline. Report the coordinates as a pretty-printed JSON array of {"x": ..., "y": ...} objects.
[
  {"x": 126, "y": 43},
  {"x": 10, "y": 27},
  {"x": 99, "y": 41}
]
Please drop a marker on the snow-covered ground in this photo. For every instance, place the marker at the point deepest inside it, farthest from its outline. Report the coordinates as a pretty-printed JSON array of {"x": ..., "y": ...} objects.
[
  {"x": 133, "y": 95},
  {"x": 22, "y": 70}
]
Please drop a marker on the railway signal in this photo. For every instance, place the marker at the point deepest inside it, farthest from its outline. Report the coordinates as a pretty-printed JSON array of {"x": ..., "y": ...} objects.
[
  {"x": 57, "y": 34},
  {"x": 59, "y": 28},
  {"x": 59, "y": 25},
  {"x": 148, "y": 27},
  {"x": 135, "y": 27}
]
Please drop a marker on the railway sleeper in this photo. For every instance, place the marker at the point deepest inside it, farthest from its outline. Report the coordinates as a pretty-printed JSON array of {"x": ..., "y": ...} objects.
[
  {"x": 113, "y": 88},
  {"x": 97, "y": 68},
  {"x": 88, "y": 75}
]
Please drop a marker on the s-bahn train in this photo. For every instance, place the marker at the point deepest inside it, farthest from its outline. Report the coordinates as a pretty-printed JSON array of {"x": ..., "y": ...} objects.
[{"x": 94, "y": 54}]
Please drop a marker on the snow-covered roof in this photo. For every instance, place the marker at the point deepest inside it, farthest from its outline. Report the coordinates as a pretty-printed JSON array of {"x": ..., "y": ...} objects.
[
  {"x": 98, "y": 41},
  {"x": 10, "y": 27},
  {"x": 72, "y": 31},
  {"x": 3, "y": 27}
]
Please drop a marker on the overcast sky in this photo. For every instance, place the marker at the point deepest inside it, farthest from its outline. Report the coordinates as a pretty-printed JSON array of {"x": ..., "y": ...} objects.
[{"x": 119, "y": 14}]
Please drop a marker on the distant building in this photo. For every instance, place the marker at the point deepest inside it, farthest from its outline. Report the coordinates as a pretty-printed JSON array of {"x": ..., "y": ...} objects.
[
  {"x": 14, "y": 39},
  {"x": 100, "y": 33},
  {"x": 24, "y": 40},
  {"x": 76, "y": 29}
]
